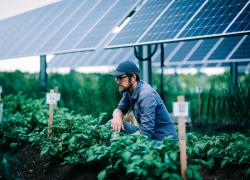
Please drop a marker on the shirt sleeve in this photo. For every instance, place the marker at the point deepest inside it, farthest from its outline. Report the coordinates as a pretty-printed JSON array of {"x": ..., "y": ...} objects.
[
  {"x": 124, "y": 104},
  {"x": 147, "y": 117}
]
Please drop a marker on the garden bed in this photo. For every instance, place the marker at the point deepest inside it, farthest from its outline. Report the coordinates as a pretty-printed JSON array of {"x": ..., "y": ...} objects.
[{"x": 32, "y": 166}]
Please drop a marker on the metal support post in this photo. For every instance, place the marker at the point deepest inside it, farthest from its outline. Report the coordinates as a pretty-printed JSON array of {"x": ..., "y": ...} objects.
[
  {"x": 234, "y": 78},
  {"x": 43, "y": 75},
  {"x": 145, "y": 66},
  {"x": 162, "y": 72}
]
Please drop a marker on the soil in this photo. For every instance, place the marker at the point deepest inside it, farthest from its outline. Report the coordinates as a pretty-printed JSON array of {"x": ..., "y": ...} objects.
[
  {"x": 32, "y": 166},
  {"x": 227, "y": 173}
]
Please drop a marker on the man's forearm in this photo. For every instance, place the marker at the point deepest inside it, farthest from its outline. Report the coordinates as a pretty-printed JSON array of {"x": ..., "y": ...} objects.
[
  {"x": 117, "y": 114},
  {"x": 117, "y": 124}
]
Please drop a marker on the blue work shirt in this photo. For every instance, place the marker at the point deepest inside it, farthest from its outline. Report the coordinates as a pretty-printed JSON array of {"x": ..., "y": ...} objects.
[{"x": 149, "y": 111}]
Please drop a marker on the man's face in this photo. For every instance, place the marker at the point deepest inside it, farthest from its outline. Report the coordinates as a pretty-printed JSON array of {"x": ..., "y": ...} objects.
[{"x": 123, "y": 82}]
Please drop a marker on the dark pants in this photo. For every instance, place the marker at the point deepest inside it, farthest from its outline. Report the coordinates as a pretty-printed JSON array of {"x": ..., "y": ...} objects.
[{"x": 130, "y": 129}]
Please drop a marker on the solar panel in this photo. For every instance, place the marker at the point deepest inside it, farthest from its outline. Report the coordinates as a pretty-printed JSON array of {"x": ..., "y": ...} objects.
[
  {"x": 172, "y": 21},
  {"x": 86, "y": 25},
  {"x": 103, "y": 57},
  {"x": 225, "y": 48},
  {"x": 61, "y": 58},
  {"x": 183, "y": 51},
  {"x": 215, "y": 16},
  {"x": 79, "y": 25},
  {"x": 203, "y": 49},
  {"x": 140, "y": 21},
  {"x": 67, "y": 27},
  {"x": 207, "y": 51},
  {"x": 185, "y": 19},
  {"x": 23, "y": 30},
  {"x": 11, "y": 30},
  {"x": 109, "y": 21},
  {"x": 178, "y": 50},
  {"x": 71, "y": 58},
  {"x": 51, "y": 23},
  {"x": 243, "y": 51},
  {"x": 129, "y": 56},
  {"x": 81, "y": 59},
  {"x": 5, "y": 28},
  {"x": 62, "y": 27},
  {"x": 242, "y": 23},
  {"x": 117, "y": 57},
  {"x": 33, "y": 30}
]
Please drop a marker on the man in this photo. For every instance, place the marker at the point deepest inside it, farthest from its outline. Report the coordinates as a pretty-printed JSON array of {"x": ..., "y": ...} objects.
[{"x": 146, "y": 104}]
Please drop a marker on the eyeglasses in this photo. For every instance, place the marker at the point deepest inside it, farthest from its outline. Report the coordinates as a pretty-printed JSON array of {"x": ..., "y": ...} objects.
[{"x": 119, "y": 78}]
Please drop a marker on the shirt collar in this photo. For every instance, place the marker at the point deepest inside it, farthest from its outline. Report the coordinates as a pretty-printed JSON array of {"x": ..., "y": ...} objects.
[{"x": 137, "y": 89}]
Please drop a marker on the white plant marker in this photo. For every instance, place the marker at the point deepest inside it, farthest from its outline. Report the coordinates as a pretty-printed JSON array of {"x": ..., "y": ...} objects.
[
  {"x": 51, "y": 99},
  {"x": 181, "y": 111}
]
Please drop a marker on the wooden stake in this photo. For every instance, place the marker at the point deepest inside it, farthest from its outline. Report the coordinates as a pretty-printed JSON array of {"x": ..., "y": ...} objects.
[
  {"x": 182, "y": 140},
  {"x": 1, "y": 108},
  {"x": 199, "y": 108},
  {"x": 56, "y": 91},
  {"x": 50, "y": 120}
]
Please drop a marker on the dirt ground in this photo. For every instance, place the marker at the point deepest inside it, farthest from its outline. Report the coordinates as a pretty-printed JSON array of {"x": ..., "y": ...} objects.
[{"x": 33, "y": 167}]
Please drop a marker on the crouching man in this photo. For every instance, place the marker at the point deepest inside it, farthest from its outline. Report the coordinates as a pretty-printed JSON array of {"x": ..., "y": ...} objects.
[{"x": 146, "y": 104}]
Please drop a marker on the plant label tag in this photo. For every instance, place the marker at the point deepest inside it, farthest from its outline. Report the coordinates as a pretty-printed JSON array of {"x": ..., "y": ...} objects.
[
  {"x": 1, "y": 89},
  {"x": 51, "y": 98},
  {"x": 198, "y": 89},
  {"x": 180, "y": 109},
  {"x": 58, "y": 96}
]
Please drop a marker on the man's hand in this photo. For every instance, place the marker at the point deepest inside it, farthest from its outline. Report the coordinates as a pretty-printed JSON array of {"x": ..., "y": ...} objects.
[{"x": 117, "y": 123}]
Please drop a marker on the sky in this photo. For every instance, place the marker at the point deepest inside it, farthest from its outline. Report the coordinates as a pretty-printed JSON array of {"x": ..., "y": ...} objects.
[{"x": 9, "y": 8}]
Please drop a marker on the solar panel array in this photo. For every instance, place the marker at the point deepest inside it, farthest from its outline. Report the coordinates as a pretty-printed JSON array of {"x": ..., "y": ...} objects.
[
  {"x": 182, "y": 20},
  {"x": 218, "y": 52},
  {"x": 196, "y": 33},
  {"x": 65, "y": 26}
]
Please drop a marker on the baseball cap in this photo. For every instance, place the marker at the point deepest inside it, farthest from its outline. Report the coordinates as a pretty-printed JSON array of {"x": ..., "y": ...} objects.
[{"x": 125, "y": 67}]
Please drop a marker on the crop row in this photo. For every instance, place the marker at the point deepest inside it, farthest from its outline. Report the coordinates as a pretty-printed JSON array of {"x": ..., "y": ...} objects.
[{"x": 86, "y": 140}]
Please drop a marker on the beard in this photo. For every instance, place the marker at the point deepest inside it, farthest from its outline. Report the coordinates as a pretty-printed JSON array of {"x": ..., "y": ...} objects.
[{"x": 123, "y": 89}]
